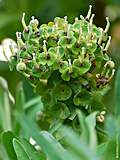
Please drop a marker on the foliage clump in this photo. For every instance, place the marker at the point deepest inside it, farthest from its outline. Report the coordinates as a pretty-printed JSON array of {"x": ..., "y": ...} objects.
[{"x": 66, "y": 63}]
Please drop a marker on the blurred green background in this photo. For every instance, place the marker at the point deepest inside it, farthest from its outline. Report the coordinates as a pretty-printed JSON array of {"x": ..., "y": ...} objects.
[{"x": 45, "y": 10}]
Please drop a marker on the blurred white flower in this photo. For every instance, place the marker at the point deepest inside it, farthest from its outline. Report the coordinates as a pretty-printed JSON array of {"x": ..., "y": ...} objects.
[
  {"x": 7, "y": 48},
  {"x": 33, "y": 143},
  {"x": 2, "y": 57}
]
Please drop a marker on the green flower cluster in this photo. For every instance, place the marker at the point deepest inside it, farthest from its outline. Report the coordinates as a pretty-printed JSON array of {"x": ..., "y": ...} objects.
[{"x": 67, "y": 64}]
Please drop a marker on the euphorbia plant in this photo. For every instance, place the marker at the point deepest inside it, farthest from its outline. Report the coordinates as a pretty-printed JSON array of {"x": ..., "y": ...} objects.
[{"x": 67, "y": 64}]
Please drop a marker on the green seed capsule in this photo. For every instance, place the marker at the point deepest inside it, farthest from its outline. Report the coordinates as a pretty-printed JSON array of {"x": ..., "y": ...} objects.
[
  {"x": 110, "y": 64},
  {"x": 21, "y": 67}
]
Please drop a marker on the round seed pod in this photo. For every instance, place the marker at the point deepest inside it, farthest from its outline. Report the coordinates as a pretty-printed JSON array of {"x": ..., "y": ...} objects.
[
  {"x": 21, "y": 67},
  {"x": 111, "y": 64}
]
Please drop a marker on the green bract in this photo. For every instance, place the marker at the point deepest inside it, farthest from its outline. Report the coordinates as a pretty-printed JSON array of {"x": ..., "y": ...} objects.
[
  {"x": 65, "y": 62},
  {"x": 62, "y": 92}
]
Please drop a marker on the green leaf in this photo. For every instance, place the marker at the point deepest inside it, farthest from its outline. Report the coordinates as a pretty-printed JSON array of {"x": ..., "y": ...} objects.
[
  {"x": 20, "y": 105},
  {"x": 88, "y": 129},
  {"x": 111, "y": 126},
  {"x": 110, "y": 150},
  {"x": 117, "y": 92},
  {"x": 83, "y": 127},
  {"x": 7, "y": 138},
  {"x": 5, "y": 112},
  {"x": 20, "y": 151},
  {"x": 34, "y": 101},
  {"x": 51, "y": 139},
  {"x": 49, "y": 148},
  {"x": 77, "y": 145},
  {"x": 20, "y": 98},
  {"x": 30, "y": 150},
  {"x": 91, "y": 123},
  {"x": 101, "y": 149},
  {"x": 55, "y": 125}
]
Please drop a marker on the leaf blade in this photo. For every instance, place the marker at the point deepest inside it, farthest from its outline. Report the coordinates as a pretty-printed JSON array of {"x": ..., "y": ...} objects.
[{"x": 20, "y": 151}]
